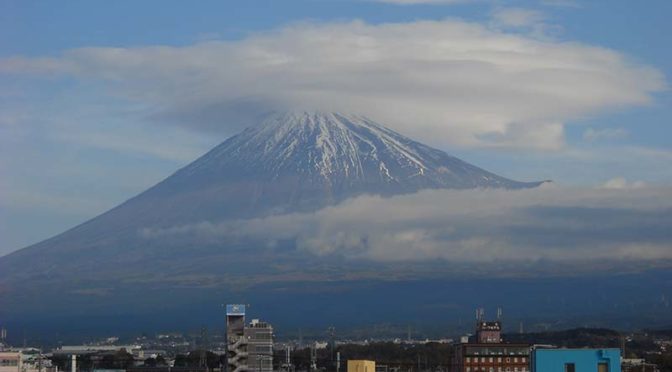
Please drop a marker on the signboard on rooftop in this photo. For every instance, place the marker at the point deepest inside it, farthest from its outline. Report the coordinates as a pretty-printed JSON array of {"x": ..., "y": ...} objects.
[{"x": 235, "y": 309}]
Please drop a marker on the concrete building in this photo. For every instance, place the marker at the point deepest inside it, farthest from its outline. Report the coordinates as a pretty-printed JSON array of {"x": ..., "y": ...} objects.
[
  {"x": 486, "y": 351},
  {"x": 235, "y": 338},
  {"x": 259, "y": 338},
  {"x": 24, "y": 360},
  {"x": 249, "y": 348},
  {"x": 11, "y": 361},
  {"x": 476, "y": 357},
  {"x": 637, "y": 365},
  {"x": 361, "y": 366},
  {"x": 575, "y": 360},
  {"x": 489, "y": 332}
]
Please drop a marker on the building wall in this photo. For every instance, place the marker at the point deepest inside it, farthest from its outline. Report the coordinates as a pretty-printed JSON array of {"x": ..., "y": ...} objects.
[
  {"x": 259, "y": 338},
  {"x": 236, "y": 344},
  {"x": 584, "y": 360},
  {"x": 490, "y": 358},
  {"x": 361, "y": 366},
  {"x": 10, "y": 361}
]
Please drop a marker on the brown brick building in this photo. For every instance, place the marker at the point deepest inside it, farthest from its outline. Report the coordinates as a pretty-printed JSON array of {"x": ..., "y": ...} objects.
[
  {"x": 490, "y": 357},
  {"x": 486, "y": 352}
]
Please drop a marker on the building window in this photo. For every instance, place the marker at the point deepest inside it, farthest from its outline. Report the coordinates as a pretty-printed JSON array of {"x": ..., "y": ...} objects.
[
  {"x": 9, "y": 362},
  {"x": 569, "y": 367}
]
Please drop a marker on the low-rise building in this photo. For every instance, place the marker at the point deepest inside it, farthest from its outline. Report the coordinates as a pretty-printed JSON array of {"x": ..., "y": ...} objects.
[
  {"x": 637, "y": 365},
  {"x": 487, "y": 352},
  {"x": 474, "y": 357},
  {"x": 11, "y": 361},
  {"x": 575, "y": 360},
  {"x": 361, "y": 366}
]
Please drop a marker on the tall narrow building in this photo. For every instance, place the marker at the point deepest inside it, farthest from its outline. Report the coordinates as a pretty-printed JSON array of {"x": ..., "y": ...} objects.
[
  {"x": 236, "y": 350},
  {"x": 249, "y": 347},
  {"x": 259, "y": 338}
]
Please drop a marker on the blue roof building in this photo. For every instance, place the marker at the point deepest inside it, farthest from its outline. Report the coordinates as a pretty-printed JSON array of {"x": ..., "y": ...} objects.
[{"x": 575, "y": 360}]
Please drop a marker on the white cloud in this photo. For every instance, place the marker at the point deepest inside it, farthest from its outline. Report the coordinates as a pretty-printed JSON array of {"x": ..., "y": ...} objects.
[
  {"x": 448, "y": 81},
  {"x": 415, "y": 2},
  {"x": 562, "y": 3},
  {"x": 591, "y": 134},
  {"x": 620, "y": 183},
  {"x": 547, "y": 224},
  {"x": 517, "y": 17}
]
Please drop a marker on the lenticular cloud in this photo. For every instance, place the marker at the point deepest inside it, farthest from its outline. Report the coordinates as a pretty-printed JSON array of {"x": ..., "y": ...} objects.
[{"x": 467, "y": 83}]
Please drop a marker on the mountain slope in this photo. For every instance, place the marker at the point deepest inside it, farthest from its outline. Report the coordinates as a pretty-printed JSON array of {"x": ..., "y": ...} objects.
[
  {"x": 306, "y": 161},
  {"x": 294, "y": 162}
]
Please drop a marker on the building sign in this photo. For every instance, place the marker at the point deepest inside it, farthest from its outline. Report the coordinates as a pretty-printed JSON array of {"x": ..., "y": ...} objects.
[{"x": 235, "y": 309}]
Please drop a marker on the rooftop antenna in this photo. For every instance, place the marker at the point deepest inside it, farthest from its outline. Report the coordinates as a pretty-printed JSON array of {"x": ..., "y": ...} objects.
[
  {"x": 480, "y": 314},
  {"x": 499, "y": 313}
]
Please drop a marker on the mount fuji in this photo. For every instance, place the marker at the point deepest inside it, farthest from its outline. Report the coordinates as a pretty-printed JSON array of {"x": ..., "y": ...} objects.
[
  {"x": 288, "y": 163},
  {"x": 293, "y": 162}
]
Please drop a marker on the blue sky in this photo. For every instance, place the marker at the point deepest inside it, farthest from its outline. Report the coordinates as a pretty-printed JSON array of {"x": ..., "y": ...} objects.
[{"x": 82, "y": 130}]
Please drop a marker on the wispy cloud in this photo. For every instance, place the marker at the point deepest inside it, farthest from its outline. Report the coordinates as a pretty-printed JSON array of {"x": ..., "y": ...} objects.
[
  {"x": 415, "y": 2},
  {"x": 518, "y": 17},
  {"x": 549, "y": 224},
  {"x": 464, "y": 83},
  {"x": 620, "y": 183},
  {"x": 592, "y": 134},
  {"x": 562, "y": 3}
]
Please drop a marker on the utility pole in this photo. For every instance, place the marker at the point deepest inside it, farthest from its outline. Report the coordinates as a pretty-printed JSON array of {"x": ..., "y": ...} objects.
[
  {"x": 288, "y": 358},
  {"x": 338, "y": 361},
  {"x": 332, "y": 334},
  {"x": 313, "y": 357},
  {"x": 203, "y": 356}
]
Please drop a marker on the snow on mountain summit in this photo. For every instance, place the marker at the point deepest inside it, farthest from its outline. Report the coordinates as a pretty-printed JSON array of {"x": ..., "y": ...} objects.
[{"x": 344, "y": 154}]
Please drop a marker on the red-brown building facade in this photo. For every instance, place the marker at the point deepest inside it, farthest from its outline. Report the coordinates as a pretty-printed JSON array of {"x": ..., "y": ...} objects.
[{"x": 486, "y": 352}]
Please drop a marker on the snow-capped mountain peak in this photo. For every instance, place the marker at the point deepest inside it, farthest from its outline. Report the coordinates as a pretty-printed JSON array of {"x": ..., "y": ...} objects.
[{"x": 344, "y": 155}]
